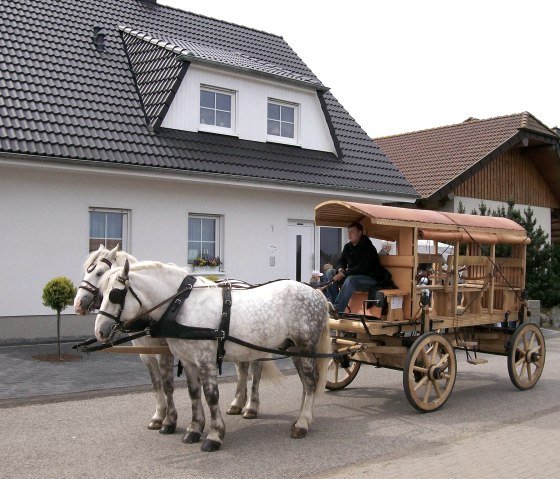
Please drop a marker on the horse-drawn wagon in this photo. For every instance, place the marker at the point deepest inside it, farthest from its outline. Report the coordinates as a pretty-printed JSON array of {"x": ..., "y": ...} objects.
[
  {"x": 472, "y": 300},
  {"x": 414, "y": 327}
]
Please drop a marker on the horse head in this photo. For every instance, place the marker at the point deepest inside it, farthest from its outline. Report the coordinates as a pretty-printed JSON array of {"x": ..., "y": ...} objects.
[
  {"x": 114, "y": 304},
  {"x": 88, "y": 296}
]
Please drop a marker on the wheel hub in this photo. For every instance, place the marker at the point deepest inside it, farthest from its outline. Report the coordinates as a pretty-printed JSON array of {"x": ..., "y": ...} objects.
[
  {"x": 435, "y": 373},
  {"x": 532, "y": 357}
]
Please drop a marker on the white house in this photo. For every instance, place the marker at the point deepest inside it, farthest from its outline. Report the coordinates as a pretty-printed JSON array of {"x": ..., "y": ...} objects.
[{"x": 173, "y": 134}]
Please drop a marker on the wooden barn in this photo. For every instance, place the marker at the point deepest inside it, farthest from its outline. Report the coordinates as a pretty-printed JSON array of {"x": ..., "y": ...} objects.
[{"x": 484, "y": 161}]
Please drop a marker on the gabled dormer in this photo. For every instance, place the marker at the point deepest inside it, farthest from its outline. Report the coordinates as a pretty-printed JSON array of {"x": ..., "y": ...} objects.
[{"x": 198, "y": 88}]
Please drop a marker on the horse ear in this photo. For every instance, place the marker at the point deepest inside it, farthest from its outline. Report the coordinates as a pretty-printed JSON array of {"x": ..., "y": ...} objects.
[
  {"x": 113, "y": 253},
  {"x": 126, "y": 268},
  {"x": 101, "y": 247}
]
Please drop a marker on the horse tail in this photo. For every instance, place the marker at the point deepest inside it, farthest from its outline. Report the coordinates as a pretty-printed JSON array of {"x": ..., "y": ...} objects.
[
  {"x": 324, "y": 346},
  {"x": 271, "y": 372}
]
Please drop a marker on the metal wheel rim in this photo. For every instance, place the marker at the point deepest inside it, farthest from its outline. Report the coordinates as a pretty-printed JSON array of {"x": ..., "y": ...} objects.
[
  {"x": 524, "y": 367},
  {"x": 430, "y": 372}
]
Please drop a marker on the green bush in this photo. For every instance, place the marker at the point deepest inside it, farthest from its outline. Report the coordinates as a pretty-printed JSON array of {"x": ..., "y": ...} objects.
[{"x": 57, "y": 294}]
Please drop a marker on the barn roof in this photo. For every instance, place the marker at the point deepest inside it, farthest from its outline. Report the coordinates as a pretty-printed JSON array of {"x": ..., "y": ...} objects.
[{"x": 431, "y": 159}]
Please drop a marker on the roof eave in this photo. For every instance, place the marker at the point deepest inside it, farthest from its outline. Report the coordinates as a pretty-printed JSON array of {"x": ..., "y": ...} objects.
[{"x": 347, "y": 193}]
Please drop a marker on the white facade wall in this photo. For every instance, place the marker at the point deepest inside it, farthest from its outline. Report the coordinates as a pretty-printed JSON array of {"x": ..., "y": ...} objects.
[
  {"x": 541, "y": 214},
  {"x": 45, "y": 223},
  {"x": 252, "y": 95}
]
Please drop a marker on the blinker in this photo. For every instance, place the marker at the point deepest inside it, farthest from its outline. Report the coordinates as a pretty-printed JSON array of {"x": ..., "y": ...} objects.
[{"x": 116, "y": 296}]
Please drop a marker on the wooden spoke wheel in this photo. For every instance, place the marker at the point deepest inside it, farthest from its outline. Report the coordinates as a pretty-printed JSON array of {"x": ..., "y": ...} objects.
[
  {"x": 526, "y": 356},
  {"x": 429, "y": 372},
  {"x": 340, "y": 374}
]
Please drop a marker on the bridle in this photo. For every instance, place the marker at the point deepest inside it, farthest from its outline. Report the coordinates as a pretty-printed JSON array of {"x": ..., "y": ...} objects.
[
  {"x": 118, "y": 296},
  {"x": 89, "y": 287}
]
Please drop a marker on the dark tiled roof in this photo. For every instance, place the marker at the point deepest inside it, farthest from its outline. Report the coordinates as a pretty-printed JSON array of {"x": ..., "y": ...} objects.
[
  {"x": 431, "y": 159},
  {"x": 61, "y": 97}
]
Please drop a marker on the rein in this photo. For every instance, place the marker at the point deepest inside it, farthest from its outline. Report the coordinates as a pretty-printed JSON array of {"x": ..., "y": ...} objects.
[{"x": 167, "y": 327}]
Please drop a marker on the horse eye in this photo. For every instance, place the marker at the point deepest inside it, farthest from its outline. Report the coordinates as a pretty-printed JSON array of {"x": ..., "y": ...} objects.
[{"x": 99, "y": 274}]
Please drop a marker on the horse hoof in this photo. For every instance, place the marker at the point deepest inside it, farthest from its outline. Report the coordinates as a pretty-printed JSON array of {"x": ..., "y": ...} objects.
[
  {"x": 234, "y": 410},
  {"x": 191, "y": 437},
  {"x": 168, "y": 429},
  {"x": 155, "y": 425},
  {"x": 210, "y": 446},
  {"x": 298, "y": 432},
  {"x": 250, "y": 414}
]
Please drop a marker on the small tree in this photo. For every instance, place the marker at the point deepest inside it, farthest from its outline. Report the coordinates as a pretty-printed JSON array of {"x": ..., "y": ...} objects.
[{"x": 57, "y": 294}]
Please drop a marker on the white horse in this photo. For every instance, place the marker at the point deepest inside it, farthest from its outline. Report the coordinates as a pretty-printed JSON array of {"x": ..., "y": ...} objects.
[
  {"x": 160, "y": 366},
  {"x": 281, "y": 315}
]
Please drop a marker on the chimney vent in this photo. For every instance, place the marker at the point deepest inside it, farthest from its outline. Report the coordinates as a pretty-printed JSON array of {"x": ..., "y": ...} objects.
[{"x": 98, "y": 39}]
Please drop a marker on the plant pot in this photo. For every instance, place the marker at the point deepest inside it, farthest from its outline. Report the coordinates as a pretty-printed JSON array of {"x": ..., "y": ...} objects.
[{"x": 207, "y": 269}]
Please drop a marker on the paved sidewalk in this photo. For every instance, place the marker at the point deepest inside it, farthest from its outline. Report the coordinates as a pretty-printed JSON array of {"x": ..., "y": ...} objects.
[{"x": 25, "y": 378}]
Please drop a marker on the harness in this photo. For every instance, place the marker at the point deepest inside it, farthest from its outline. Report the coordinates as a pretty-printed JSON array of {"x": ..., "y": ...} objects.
[{"x": 168, "y": 327}]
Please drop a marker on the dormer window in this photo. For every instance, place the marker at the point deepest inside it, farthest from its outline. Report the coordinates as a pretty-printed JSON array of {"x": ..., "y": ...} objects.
[
  {"x": 217, "y": 110},
  {"x": 282, "y": 122}
]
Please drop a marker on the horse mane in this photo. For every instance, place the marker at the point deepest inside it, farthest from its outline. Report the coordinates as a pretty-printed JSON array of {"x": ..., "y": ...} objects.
[
  {"x": 146, "y": 265},
  {"x": 122, "y": 256}
]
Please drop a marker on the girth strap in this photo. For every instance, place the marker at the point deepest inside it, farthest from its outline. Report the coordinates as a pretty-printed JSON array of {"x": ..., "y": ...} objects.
[
  {"x": 167, "y": 327},
  {"x": 224, "y": 325}
]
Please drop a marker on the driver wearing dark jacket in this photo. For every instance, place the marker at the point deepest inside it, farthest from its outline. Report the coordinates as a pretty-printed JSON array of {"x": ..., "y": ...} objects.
[{"x": 358, "y": 267}]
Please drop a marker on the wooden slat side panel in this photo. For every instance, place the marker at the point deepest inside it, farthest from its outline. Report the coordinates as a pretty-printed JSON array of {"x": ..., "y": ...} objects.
[{"x": 511, "y": 175}]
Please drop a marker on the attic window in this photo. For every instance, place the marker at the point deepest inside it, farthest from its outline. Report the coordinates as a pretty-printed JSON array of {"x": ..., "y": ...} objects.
[
  {"x": 217, "y": 110},
  {"x": 281, "y": 123}
]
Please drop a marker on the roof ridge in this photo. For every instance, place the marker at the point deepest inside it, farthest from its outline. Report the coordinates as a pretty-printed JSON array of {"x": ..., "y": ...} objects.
[
  {"x": 467, "y": 122},
  {"x": 525, "y": 122}
]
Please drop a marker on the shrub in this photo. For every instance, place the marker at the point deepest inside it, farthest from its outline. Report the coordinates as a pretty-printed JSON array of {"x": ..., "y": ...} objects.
[{"x": 57, "y": 294}]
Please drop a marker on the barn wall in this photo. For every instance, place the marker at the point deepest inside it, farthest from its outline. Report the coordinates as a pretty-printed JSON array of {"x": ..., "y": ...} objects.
[{"x": 511, "y": 175}]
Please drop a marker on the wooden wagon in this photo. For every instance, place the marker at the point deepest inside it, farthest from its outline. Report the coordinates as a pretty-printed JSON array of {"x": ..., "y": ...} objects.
[{"x": 471, "y": 298}]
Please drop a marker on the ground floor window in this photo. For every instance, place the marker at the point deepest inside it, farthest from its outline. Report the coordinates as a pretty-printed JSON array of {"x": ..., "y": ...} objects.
[
  {"x": 108, "y": 227},
  {"x": 204, "y": 240},
  {"x": 330, "y": 245}
]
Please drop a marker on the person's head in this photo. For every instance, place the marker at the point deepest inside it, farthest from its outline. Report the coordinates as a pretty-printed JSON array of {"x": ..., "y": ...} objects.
[
  {"x": 355, "y": 232},
  {"x": 387, "y": 246}
]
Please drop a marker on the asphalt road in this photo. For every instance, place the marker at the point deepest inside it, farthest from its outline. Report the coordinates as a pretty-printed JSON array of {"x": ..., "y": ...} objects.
[{"x": 487, "y": 428}]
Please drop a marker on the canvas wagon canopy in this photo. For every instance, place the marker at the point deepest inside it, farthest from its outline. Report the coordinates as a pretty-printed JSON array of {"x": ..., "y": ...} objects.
[{"x": 386, "y": 222}]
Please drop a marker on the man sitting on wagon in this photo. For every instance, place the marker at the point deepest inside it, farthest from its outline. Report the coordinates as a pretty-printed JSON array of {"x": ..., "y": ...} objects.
[{"x": 358, "y": 268}]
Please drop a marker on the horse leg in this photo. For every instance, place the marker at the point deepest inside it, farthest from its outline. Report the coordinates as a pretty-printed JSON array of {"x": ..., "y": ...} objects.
[
  {"x": 251, "y": 409},
  {"x": 198, "y": 421},
  {"x": 151, "y": 364},
  {"x": 241, "y": 391},
  {"x": 209, "y": 377},
  {"x": 308, "y": 374},
  {"x": 165, "y": 362}
]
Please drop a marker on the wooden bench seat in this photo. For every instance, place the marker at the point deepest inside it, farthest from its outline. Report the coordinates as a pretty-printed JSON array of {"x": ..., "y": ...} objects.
[{"x": 358, "y": 304}]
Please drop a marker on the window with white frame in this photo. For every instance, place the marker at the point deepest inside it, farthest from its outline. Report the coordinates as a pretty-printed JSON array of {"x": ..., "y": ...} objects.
[
  {"x": 204, "y": 239},
  {"x": 108, "y": 227},
  {"x": 217, "y": 110},
  {"x": 282, "y": 121}
]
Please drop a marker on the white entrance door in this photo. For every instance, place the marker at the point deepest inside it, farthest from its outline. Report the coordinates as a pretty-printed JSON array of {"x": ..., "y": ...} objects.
[{"x": 301, "y": 251}]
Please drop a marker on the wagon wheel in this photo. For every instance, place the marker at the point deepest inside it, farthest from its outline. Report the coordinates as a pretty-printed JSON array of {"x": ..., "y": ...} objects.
[
  {"x": 339, "y": 376},
  {"x": 429, "y": 372},
  {"x": 526, "y": 356}
]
